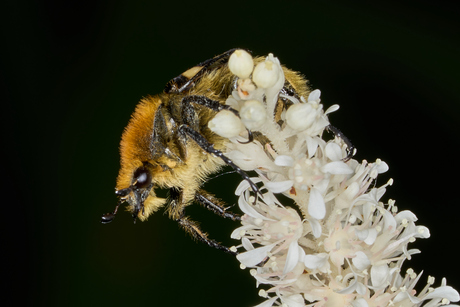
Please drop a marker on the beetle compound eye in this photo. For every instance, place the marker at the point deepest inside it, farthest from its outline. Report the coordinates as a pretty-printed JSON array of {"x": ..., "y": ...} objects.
[{"x": 142, "y": 177}]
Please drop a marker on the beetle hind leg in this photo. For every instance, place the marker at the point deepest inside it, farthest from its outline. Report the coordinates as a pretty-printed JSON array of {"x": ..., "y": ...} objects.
[
  {"x": 194, "y": 230},
  {"x": 215, "y": 205},
  {"x": 176, "y": 212}
]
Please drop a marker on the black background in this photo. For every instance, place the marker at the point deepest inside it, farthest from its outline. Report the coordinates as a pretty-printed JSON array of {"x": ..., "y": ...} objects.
[{"x": 72, "y": 72}]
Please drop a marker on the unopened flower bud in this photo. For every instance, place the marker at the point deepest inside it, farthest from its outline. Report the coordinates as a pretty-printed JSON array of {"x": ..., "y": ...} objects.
[
  {"x": 226, "y": 124},
  {"x": 253, "y": 114},
  {"x": 266, "y": 74},
  {"x": 241, "y": 63}
]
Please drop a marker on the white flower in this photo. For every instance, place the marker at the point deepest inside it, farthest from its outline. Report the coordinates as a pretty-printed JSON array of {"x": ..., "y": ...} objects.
[
  {"x": 342, "y": 245},
  {"x": 281, "y": 229},
  {"x": 246, "y": 89},
  {"x": 241, "y": 63}
]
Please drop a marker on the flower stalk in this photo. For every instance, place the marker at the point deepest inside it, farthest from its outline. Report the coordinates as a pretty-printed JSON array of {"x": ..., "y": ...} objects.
[{"x": 337, "y": 243}]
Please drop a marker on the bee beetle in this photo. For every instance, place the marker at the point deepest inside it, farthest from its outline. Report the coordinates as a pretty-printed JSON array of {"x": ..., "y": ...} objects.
[{"x": 168, "y": 145}]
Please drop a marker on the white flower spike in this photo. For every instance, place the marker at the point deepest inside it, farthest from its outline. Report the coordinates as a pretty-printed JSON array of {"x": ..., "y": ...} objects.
[{"x": 343, "y": 245}]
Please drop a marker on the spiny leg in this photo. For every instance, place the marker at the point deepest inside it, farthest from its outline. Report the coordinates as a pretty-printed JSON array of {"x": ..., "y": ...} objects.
[
  {"x": 187, "y": 79},
  {"x": 194, "y": 230},
  {"x": 206, "y": 102},
  {"x": 215, "y": 205},
  {"x": 176, "y": 211}
]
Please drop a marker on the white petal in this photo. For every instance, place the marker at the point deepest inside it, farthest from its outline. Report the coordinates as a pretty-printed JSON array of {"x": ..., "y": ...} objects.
[
  {"x": 333, "y": 152},
  {"x": 360, "y": 302},
  {"x": 236, "y": 233},
  {"x": 283, "y": 160},
  {"x": 245, "y": 160},
  {"x": 250, "y": 156},
  {"x": 413, "y": 251},
  {"x": 382, "y": 167},
  {"x": 404, "y": 295},
  {"x": 249, "y": 209},
  {"x": 295, "y": 300},
  {"x": 444, "y": 292},
  {"x": 301, "y": 254},
  {"x": 292, "y": 257},
  {"x": 314, "y": 95},
  {"x": 361, "y": 288},
  {"x": 244, "y": 185},
  {"x": 247, "y": 244},
  {"x": 315, "y": 227},
  {"x": 423, "y": 232},
  {"x": 312, "y": 145},
  {"x": 372, "y": 235},
  {"x": 322, "y": 186},
  {"x": 267, "y": 303},
  {"x": 336, "y": 167},
  {"x": 389, "y": 222},
  {"x": 361, "y": 261},
  {"x": 406, "y": 214},
  {"x": 379, "y": 275},
  {"x": 351, "y": 191},
  {"x": 279, "y": 186},
  {"x": 368, "y": 210},
  {"x": 254, "y": 257},
  {"x": 332, "y": 108},
  {"x": 316, "y": 261},
  {"x": 271, "y": 281},
  {"x": 379, "y": 192},
  {"x": 350, "y": 289},
  {"x": 316, "y": 206},
  {"x": 362, "y": 233},
  {"x": 397, "y": 245}
]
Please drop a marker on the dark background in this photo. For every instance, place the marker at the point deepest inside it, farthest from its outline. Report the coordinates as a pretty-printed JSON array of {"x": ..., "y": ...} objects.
[{"x": 72, "y": 72}]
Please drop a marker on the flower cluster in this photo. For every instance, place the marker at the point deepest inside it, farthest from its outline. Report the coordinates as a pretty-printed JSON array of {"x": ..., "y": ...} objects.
[{"x": 337, "y": 244}]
